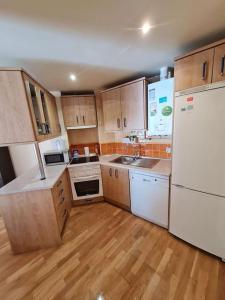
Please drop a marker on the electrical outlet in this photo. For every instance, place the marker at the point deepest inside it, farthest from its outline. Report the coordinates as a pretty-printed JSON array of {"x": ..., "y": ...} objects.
[{"x": 168, "y": 149}]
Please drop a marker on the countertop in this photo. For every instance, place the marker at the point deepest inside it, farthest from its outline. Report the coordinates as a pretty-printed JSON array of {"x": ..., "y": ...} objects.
[
  {"x": 30, "y": 181},
  {"x": 162, "y": 168}
]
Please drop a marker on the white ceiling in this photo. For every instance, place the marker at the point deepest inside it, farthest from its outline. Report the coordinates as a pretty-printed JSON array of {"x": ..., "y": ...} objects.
[{"x": 99, "y": 40}]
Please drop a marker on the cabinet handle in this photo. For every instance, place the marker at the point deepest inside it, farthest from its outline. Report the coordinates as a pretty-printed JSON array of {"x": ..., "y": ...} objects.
[
  {"x": 118, "y": 123},
  {"x": 204, "y": 70},
  {"x": 222, "y": 65},
  {"x": 124, "y": 122},
  {"x": 116, "y": 173},
  {"x": 62, "y": 200},
  {"x": 110, "y": 172},
  {"x": 77, "y": 119},
  {"x": 84, "y": 120}
]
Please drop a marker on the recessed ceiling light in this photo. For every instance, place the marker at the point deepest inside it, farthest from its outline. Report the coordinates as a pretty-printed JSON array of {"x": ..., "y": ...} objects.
[
  {"x": 145, "y": 28},
  {"x": 72, "y": 77}
]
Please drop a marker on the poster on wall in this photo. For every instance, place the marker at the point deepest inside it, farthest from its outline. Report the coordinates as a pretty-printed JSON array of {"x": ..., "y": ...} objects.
[{"x": 160, "y": 108}]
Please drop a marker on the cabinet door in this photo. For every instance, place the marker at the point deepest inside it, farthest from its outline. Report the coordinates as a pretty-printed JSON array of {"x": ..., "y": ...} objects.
[
  {"x": 108, "y": 182},
  {"x": 70, "y": 109},
  {"x": 15, "y": 120},
  {"x": 112, "y": 110},
  {"x": 122, "y": 187},
  {"x": 133, "y": 99},
  {"x": 219, "y": 63},
  {"x": 36, "y": 108},
  {"x": 54, "y": 126},
  {"x": 116, "y": 187},
  {"x": 87, "y": 111},
  {"x": 194, "y": 70}
]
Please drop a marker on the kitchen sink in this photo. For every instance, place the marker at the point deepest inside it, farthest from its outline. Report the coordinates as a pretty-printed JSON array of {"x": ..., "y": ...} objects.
[{"x": 136, "y": 161}]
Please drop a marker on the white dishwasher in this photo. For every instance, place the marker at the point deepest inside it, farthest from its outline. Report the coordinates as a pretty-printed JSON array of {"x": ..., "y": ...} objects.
[{"x": 150, "y": 197}]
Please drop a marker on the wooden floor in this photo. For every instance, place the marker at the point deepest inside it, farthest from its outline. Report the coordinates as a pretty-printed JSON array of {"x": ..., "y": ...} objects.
[{"x": 109, "y": 251}]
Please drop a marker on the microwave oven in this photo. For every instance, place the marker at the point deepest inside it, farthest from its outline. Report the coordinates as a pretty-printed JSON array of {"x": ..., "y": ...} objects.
[{"x": 56, "y": 157}]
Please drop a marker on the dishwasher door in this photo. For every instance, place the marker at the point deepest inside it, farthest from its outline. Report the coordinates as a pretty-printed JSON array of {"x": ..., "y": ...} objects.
[{"x": 150, "y": 198}]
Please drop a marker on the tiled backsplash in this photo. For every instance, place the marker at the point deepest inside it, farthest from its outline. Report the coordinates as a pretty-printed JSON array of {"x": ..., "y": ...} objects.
[
  {"x": 145, "y": 149},
  {"x": 80, "y": 147}
]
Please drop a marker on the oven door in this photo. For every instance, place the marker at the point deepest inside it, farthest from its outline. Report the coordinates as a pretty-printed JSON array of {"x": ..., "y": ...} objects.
[{"x": 86, "y": 187}]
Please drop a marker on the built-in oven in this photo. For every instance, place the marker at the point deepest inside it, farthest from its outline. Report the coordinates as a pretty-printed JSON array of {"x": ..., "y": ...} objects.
[{"x": 86, "y": 181}]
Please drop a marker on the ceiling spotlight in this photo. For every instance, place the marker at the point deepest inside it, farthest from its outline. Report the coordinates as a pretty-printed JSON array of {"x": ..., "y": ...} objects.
[
  {"x": 72, "y": 77},
  {"x": 145, "y": 28}
]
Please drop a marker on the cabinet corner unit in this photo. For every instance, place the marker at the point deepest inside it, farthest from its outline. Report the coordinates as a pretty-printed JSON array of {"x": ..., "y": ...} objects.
[
  {"x": 28, "y": 111},
  {"x": 199, "y": 67},
  {"x": 79, "y": 112},
  {"x": 35, "y": 219},
  {"x": 124, "y": 107}
]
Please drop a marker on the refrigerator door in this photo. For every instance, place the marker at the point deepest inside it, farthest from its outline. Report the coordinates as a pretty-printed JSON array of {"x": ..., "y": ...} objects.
[
  {"x": 199, "y": 141},
  {"x": 198, "y": 218}
]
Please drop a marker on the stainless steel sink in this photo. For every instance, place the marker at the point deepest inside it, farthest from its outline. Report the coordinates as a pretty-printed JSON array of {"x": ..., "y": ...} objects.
[{"x": 136, "y": 161}]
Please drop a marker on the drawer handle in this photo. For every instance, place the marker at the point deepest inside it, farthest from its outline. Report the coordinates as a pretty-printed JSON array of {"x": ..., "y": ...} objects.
[
  {"x": 59, "y": 183},
  {"x": 77, "y": 119},
  {"x": 110, "y": 172},
  {"x": 65, "y": 213},
  {"x": 116, "y": 173},
  {"x": 84, "y": 120},
  {"x": 204, "y": 70},
  {"x": 222, "y": 65},
  {"x": 61, "y": 191}
]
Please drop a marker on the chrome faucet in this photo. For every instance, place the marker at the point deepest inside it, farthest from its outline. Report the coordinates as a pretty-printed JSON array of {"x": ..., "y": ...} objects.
[{"x": 137, "y": 154}]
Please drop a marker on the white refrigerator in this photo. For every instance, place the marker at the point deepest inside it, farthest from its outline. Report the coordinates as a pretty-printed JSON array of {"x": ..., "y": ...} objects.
[{"x": 197, "y": 204}]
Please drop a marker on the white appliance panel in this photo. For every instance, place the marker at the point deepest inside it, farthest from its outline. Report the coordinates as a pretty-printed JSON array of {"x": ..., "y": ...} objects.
[
  {"x": 199, "y": 141},
  {"x": 198, "y": 218},
  {"x": 160, "y": 107},
  {"x": 149, "y": 198}
]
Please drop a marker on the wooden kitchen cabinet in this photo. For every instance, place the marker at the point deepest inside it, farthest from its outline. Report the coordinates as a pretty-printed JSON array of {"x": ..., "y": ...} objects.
[
  {"x": 26, "y": 114},
  {"x": 71, "y": 111},
  {"x": 35, "y": 219},
  {"x": 87, "y": 111},
  {"x": 112, "y": 110},
  {"x": 133, "y": 101},
  {"x": 124, "y": 107},
  {"x": 116, "y": 186},
  {"x": 194, "y": 70},
  {"x": 219, "y": 63},
  {"x": 79, "y": 111}
]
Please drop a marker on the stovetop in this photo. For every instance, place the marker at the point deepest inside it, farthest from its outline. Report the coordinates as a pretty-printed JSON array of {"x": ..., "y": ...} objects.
[{"x": 84, "y": 159}]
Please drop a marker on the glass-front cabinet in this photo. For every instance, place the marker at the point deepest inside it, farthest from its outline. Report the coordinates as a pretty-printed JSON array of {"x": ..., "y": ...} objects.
[{"x": 43, "y": 111}]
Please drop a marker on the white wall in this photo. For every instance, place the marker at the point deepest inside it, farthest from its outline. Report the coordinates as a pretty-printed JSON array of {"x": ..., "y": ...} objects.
[{"x": 24, "y": 155}]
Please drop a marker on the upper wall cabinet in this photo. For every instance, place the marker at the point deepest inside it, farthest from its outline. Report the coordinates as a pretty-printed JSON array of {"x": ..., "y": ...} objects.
[
  {"x": 219, "y": 64},
  {"x": 124, "y": 107},
  {"x": 194, "y": 70},
  {"x": 79, "y": 111},
  {"x": 112, "y": 110},
  {"x": 28, "y": 112},
  {"x": 200, "y": 67}
]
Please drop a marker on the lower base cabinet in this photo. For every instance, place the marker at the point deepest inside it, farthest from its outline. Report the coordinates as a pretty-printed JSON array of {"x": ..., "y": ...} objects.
[
  {"x": 116, "y": 187},
  {"x": 35, "y": 219}
]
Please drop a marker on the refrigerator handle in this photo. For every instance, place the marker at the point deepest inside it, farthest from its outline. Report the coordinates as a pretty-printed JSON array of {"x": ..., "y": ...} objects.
[{"x": 204, "y": 70}]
